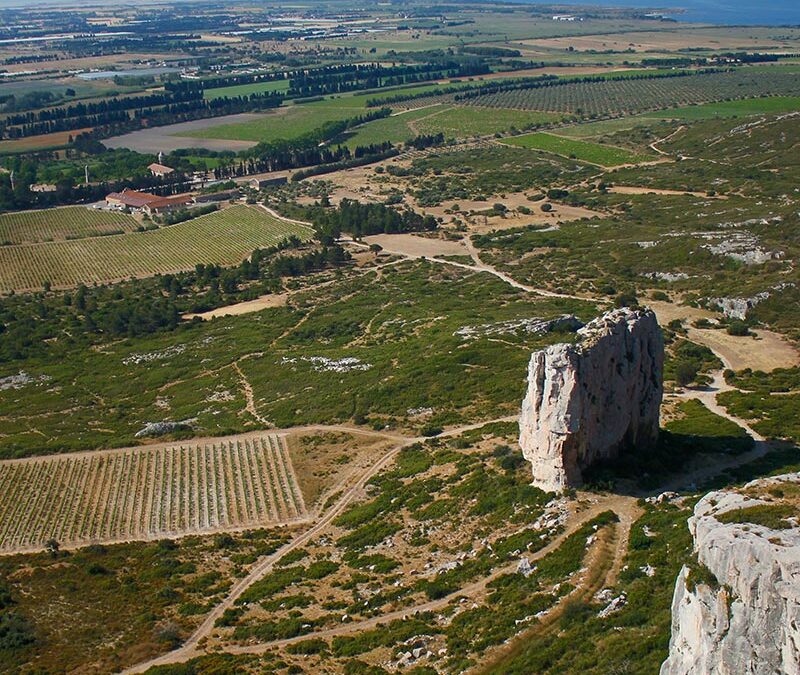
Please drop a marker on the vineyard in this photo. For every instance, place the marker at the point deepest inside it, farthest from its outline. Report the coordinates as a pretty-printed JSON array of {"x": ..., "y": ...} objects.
[
  {"x": 70, "y": 222},
  {"x": 630, "y": 96},
  {"x": 225, "y": 237},
  {"x": 147, "y": 493}
]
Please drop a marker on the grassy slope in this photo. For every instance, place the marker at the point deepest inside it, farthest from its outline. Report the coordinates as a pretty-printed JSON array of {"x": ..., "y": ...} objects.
[{"x": 594, "y": 153}]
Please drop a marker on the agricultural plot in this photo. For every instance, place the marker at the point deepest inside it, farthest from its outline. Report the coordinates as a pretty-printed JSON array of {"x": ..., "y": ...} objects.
[
  {"x": 626, "y": 96},
  {"x": 148, "y": 493},
  {"x": 224, "y": 237},
  {"x": 285, "y": 123},
  {"x": 70, "y": 222},
  {"x": 751, "y": 106},
  {"x": 397, "y": 128},
  {"x": 595, "y": 153},
  {"x": 461, "y": 122}
]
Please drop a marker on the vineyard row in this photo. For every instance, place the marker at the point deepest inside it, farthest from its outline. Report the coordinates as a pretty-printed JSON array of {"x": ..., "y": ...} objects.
[{"x": 147, "y": 493}]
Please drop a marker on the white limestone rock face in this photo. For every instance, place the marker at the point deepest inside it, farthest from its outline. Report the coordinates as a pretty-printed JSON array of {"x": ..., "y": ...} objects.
[
  {"x": 589, "y": 400},
  {"x": 750, "y": 623}
]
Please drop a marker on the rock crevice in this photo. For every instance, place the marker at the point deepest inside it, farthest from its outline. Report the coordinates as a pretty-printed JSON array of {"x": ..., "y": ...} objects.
[{"x": 589, "y": 400}]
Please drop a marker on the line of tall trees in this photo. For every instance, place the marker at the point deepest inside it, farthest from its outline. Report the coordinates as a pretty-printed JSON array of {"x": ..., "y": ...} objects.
[
  {"x": 352, "y": 77},
  {"x": 112, "y": 122}
]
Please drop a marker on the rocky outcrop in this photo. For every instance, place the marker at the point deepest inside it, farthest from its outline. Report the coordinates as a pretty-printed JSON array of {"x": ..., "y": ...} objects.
[
  {"x": 744, "y": 617},
  {"x": 589, "y": 400}
]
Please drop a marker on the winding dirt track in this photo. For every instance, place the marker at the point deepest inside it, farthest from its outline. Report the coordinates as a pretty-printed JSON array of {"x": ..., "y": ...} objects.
[
  {"x": 189, "y": 649},
  {"x": 624, "y": 506}
]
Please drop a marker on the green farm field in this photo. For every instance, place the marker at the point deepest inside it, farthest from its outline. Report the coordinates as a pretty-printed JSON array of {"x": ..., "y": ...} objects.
[
  {"x": 287, "y": 122},
  {"x": 397, "y": 128},
  {"x": 461, "y": 122},
  {"x": 224, "y": 237},
  {"x": 293, "y": 120},
  {"x": 751, "y": 106},
  {"x": 594, "y": 153},
  {"x": 70, "y": 222},
  {"x": 453, "y": 122}
]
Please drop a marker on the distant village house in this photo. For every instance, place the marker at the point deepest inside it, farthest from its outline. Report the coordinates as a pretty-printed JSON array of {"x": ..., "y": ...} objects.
[{"x": 160, "y": 170}]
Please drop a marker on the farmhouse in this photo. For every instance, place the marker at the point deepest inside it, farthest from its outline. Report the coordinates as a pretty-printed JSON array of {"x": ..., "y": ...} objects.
[
  {"x": 159, "y": 169},
  {"x": 145, "y": 202}
]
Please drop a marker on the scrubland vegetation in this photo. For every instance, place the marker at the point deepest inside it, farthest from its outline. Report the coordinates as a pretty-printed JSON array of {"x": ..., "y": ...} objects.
[{"x": 412, "y": 539}]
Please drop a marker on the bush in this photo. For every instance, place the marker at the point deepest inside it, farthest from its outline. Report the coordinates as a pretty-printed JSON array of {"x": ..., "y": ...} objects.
[
  {"x": 738, "y": 328},
  {"x": 685, "y": 372}
]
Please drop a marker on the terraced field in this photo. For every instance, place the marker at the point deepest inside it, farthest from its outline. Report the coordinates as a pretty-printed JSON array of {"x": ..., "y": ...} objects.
[
  {"x": 147, "y": 493},
  {"x": 69, "y": 222},
  {"x": 225, "y": 237}
]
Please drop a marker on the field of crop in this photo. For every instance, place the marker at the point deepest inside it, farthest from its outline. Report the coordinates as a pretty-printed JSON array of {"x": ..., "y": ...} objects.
[
  {"x": 750, "y": 106},
  {"x": 69, "y": 222},
  {"x": 291, "y": 121},
  {"x": 397, "y": 128},
  {"x": 287, "y": 122},
  {"x": 461, "y": 122},
  {"x": 625, "y": 96},
  {"x": 43, "y": 142},
  {"x": 595, "y": 153},
  {"x": 224, "y": 237},
  {"x": 147, "y": 493}
]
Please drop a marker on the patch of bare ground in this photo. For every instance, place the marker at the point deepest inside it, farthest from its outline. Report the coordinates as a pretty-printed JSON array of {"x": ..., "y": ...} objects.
[
  {"x": 765, "y": 350},
  {"x": 414, "y": 246},
  {"x": 633, "y": 190},
  {"x": 324, "y": 461},
  {"x": 247, "y": 307}
]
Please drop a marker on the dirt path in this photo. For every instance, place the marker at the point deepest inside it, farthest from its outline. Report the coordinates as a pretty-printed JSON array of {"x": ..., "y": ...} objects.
[
  {"x": 190, "y": 649},
  {"x": 602, "y": 564},
  {"x": 247, "y": 388},
  {"x": 654, "y": 144},
  {"x": 412, "y": 125},
  {"x": 641, "y": 190},
  {"x": 481, "y": 266},
  {"x": 708, "y": 396},
  {"x": 625, "y": 507},
  {"x": 767, "y": 351}
]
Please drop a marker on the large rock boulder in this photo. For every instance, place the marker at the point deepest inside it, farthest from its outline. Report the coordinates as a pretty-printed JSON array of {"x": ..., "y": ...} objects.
[
  {"x": 589, "y": 400},
  {"x": 740, "y": 615}
]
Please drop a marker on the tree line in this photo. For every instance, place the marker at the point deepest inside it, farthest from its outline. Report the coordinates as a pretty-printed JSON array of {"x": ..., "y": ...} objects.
[{"x": 360, "y": 220}]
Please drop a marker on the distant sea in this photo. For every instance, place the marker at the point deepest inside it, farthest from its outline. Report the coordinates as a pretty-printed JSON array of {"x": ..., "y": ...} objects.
[{"x": 729, "y": 12}]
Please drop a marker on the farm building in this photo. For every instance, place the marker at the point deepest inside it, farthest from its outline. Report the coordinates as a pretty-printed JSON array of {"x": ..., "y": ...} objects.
[
  {"x": 261, "y": 183},
  {"x": 221, "y": 196},
  {"x": 159, "y": 169},
  {"x": 146, "y": 203},
  {"x": 43, "y": 187}
]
